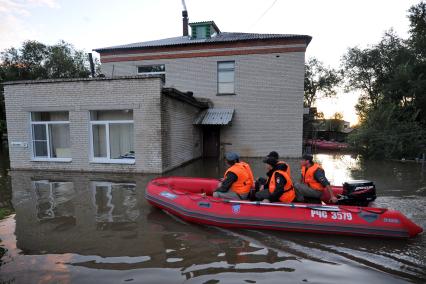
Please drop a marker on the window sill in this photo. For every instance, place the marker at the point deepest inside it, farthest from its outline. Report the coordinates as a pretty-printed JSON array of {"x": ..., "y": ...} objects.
[
  {"x": 59, "y": 160},
  {"x": 226, "y": 94},
  {"x": 118, "y": 161}
]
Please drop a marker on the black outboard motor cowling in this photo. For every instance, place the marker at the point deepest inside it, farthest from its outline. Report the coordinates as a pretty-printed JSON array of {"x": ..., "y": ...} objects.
[{"x": 358, "y": 193}]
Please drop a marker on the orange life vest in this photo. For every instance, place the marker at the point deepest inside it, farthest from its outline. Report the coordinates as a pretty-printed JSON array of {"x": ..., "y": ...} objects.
[
  {"x": 288, "y": 171},
  {"x": 309, "y": 179},
  {"x": 289, "y": 194},
  {"x": 245, "y": 178},
  {"x": 247, "y": 167}
]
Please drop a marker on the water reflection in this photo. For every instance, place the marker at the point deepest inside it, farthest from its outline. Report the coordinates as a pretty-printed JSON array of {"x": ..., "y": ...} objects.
[
  {"x": 54, "y": 199},
  {"x": 75, "y": 227},
  {"x": 114, "y": 202}
]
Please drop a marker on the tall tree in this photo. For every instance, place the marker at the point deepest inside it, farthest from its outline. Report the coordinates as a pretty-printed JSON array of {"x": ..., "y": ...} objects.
[
  {"x": 35, "y": 60},
  {"x": 391, "y": 76},
  {"x": 320, "y": 81}
]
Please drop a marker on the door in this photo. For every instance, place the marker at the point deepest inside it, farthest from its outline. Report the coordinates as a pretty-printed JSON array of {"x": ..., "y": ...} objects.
[{"x": 211, "y": 141}]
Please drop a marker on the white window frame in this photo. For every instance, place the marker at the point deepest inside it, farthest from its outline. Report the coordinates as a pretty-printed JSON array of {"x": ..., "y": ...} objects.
[
  {"x": 152, "y": 73},
  {"x": 225, "y": 69},
  {"x": 108, "y": 159},
  {"x": 46, "y": 127}
]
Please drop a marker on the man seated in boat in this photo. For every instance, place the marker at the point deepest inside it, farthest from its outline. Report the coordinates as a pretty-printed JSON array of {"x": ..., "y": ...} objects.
[
  {"x": 237, "y": 181},
  {"x": 280, "y": 164},
  {"x": 313, "y": 184},
  {"x": 279, "y": 186}
]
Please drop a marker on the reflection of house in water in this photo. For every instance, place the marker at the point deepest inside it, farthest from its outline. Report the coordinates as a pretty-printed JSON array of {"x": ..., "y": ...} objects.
[
  {"x": 114, "y": 202},
  {"x": 54, "y": 199},
  {"x": 112, "y": 219}
]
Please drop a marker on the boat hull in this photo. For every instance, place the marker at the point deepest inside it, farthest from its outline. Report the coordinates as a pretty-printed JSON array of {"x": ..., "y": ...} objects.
[{"x": 191, "y": 200}]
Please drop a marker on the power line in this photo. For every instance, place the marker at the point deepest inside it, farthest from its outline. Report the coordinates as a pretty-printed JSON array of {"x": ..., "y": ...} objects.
[{"x": 263, "y": 14}]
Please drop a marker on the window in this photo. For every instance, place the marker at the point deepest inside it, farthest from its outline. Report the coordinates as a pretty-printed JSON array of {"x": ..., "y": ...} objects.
[
  {"x": 153, "y": 69},
  {"x": 51, "y": 136},
  {"x": 112, "y": 136},
  {"x": 225, "y": 77},
  {"x": 201, "y": 32}
]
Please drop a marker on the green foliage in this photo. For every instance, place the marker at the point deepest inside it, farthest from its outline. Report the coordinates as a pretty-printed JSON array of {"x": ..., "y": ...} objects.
[
  {"x": 35, "y": 60},
  {"x": 391, "y": 76},
  {"x": 4, "y": 212},
  {"x": 319, "y": 81},
  {"x": 389, "y": 133}
]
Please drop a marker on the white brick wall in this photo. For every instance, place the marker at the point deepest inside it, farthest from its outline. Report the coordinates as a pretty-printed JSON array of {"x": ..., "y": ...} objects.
[
  {"x": 181, "y": 140},
  {"x": 78, "y": 97},
  {"x": 268, "y": 102}
]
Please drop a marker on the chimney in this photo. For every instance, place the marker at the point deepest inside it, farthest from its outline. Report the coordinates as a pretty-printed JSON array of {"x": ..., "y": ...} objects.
[
  {"x": 92, "y": 66},
  {"x": 185, "y": 22}
]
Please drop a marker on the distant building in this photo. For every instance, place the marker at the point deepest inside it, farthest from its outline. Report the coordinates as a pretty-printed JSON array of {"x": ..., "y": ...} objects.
[{"x": 165, "y": 102}]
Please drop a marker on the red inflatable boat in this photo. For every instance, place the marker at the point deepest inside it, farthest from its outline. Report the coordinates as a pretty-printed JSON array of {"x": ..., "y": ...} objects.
[{"x": 191, "y": 200}]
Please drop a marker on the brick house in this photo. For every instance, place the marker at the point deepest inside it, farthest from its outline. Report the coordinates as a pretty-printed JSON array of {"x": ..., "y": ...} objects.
[{"x": 163, "y": 103}]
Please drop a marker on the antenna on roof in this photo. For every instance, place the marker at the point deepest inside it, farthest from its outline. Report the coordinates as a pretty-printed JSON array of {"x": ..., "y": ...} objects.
[{"x": 184, "y": 19}]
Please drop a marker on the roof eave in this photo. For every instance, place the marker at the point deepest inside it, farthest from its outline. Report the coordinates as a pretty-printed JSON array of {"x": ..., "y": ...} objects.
[{"x": 100, "y": 50}]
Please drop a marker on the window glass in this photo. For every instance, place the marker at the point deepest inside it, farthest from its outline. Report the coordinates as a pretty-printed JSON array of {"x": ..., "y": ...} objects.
[
  {"x": 226, "y": 88},
  {"x": 39, "y": 132},
  {"x": 99, "y": 141},
  {"x": 111, "y": 114},
  {"x": 121, "y": 141},
  {"x": 40, "y": 149},
  {"x": 226, "y": 77},
  {"x": 201, "y": 31},
  {"x": 152, "y": 68},
  {"x": 226, "y": 65},
  {"x": 50, "y": 116},
  {"x": 59, "y": 141}
]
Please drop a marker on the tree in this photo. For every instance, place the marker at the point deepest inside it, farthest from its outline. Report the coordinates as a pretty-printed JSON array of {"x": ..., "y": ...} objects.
[
  {"x": 319, "y": 81},
  {"x": 338, "y": 116},
  {"x": 391, "y": 76},
  {"x": 35, "y": 60},
  {"x": 417, "y": 19},
  {"x": 370, "y": 70}
]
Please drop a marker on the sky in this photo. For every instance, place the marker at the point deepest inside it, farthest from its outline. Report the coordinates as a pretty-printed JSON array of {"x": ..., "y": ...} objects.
[{"x": 335, "y": 25}]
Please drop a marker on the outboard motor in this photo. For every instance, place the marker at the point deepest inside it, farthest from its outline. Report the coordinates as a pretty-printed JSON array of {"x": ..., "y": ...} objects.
[{"x": 358, "y": 193}]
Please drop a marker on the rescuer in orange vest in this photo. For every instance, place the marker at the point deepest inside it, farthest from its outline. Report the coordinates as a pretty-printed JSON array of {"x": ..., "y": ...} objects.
[
  {"x": 281, "y": 164},
  {"x": 313, "y": 183},
  {"x": 237, "y": 181},
  {"x": 279, "y": 184}
]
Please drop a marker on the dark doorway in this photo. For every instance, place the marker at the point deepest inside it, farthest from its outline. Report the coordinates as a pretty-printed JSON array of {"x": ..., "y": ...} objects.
[{"x": 211, "y": 141}]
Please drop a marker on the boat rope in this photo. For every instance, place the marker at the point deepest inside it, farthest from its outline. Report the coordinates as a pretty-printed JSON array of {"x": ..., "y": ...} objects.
[{"x": 203, "y": 196}]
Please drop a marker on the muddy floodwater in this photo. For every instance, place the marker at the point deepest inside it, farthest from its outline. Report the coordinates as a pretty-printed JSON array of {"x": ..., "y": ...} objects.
[{"x": 98, "y": 228}]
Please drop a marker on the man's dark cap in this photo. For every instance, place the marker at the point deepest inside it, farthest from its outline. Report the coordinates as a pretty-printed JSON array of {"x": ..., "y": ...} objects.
[
  {"x": 273, "y": 154},
  {"x": 270, "y": 161},
  {"x": 307, "y": 157},
  {"x": 231, "y": 156}
]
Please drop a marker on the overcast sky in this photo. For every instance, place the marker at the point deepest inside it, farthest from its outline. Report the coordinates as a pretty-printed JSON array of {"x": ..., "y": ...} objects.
[{"x": 335, "y": 25}]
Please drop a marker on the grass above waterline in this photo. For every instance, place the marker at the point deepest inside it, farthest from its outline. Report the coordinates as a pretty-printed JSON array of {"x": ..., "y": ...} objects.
[{"x": 4, "y": 212}]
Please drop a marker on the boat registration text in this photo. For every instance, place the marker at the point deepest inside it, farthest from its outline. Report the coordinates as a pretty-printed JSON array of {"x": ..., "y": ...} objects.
[{"x": 333, "y": 215}]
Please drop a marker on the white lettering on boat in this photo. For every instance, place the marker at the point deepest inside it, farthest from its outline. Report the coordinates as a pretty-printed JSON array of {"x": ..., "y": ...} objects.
[
  {"x": 168, "y": 195},
  {"x": 319, "y": 214},
  {"x": 341, "y": 216},
  {"x": 391, "y": 220},
  {"x": 334, "y": 215}
]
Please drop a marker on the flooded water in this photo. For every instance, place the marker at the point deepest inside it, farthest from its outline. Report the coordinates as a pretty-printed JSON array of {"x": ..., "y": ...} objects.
[{"x": 88, "y": 228}]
